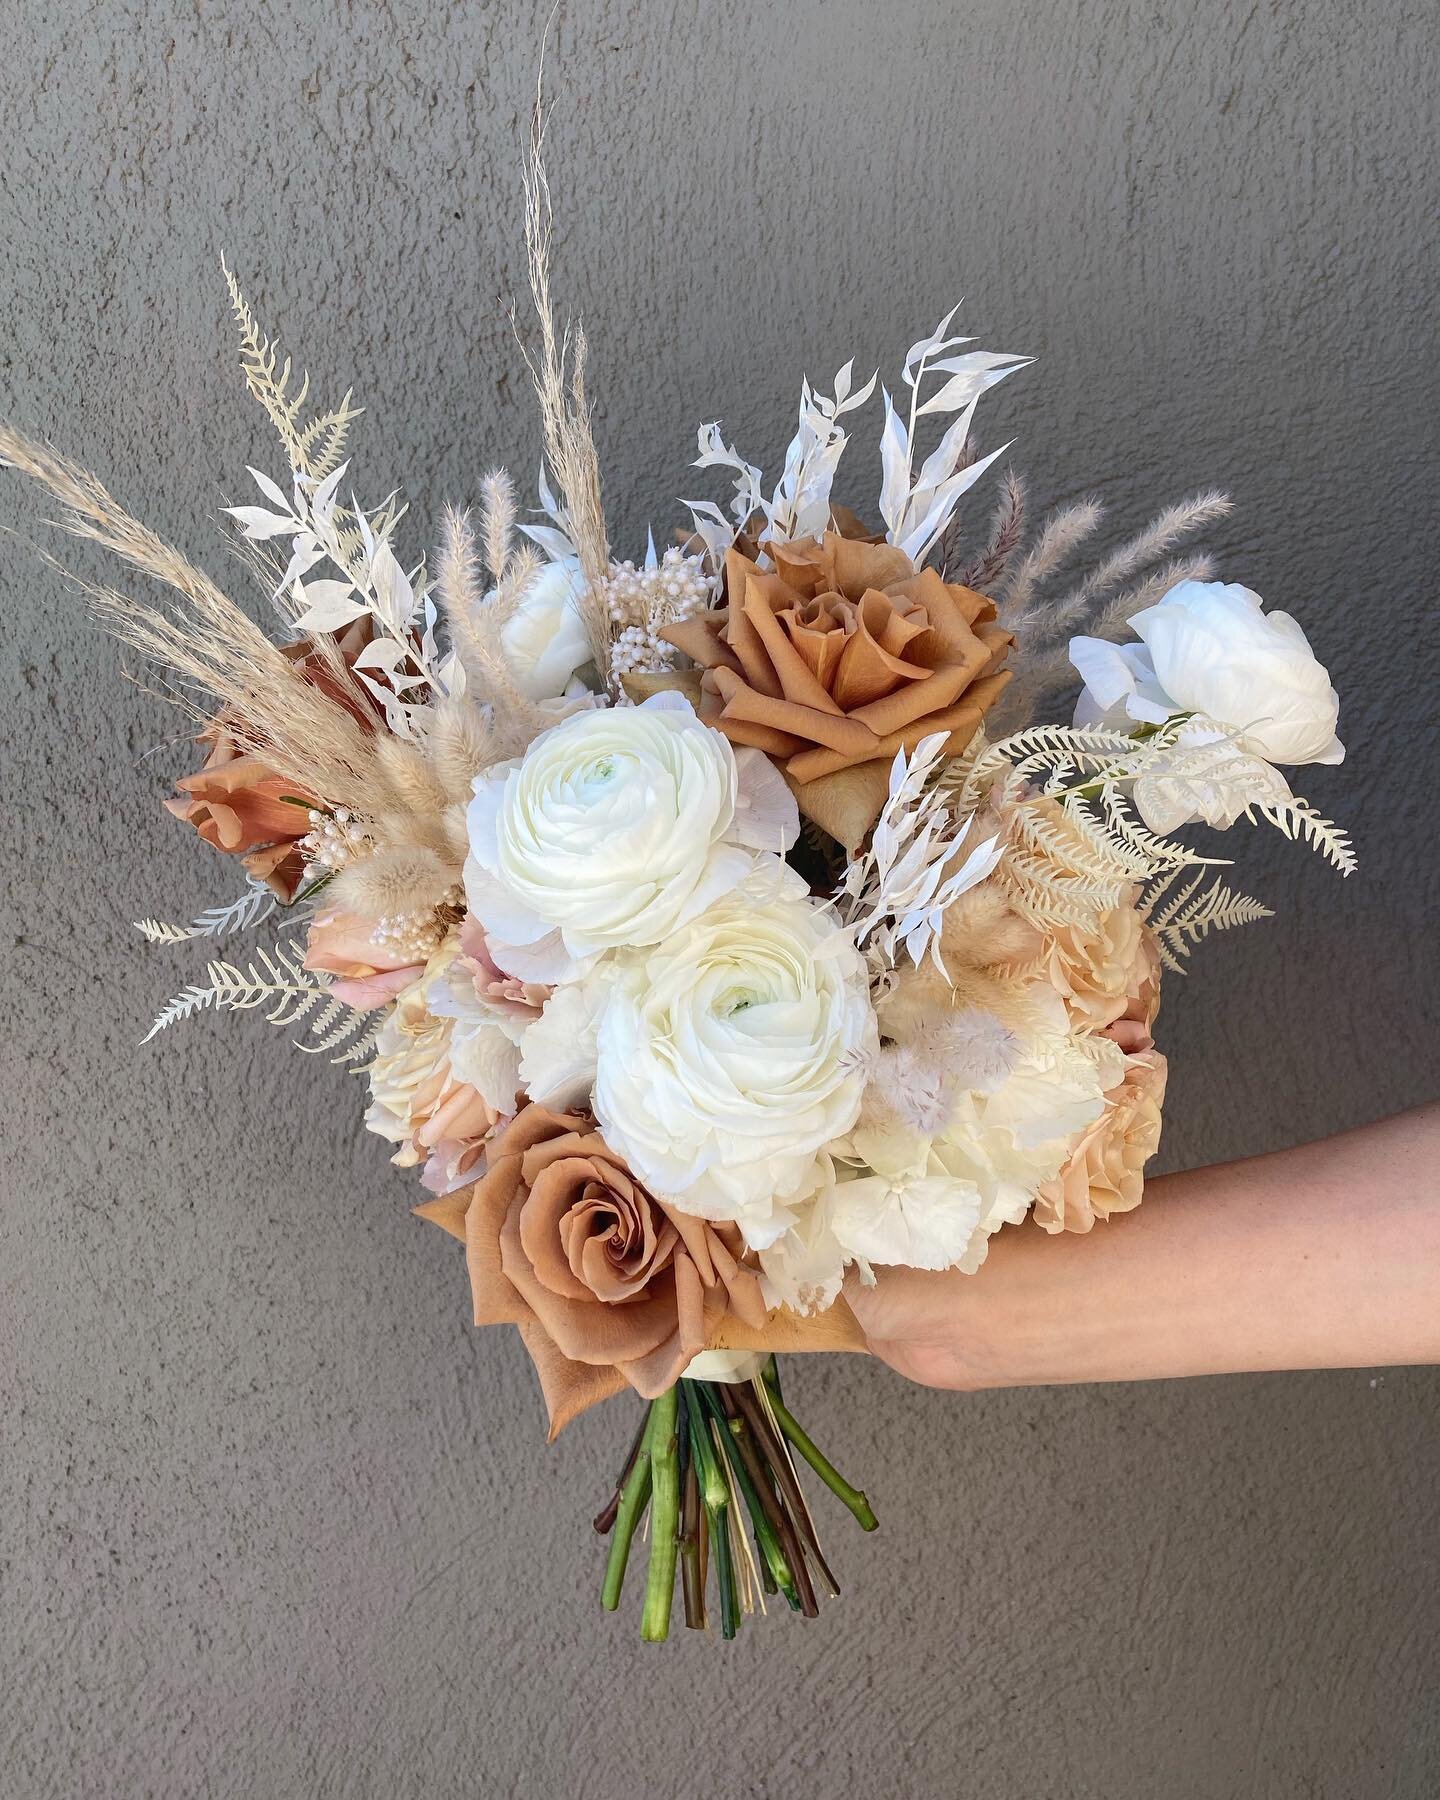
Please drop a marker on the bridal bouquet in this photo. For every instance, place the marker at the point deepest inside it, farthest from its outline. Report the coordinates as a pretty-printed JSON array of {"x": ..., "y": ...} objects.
[{"x": 714, "y": 928}]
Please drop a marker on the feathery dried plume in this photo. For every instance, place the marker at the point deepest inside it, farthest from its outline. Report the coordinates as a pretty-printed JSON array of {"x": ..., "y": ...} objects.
[
  {"x": 908, "y": 1084},
  {"x": 1060, "y": 537},
  {"x": 209, "y": 643},
  {"x": 476, "y": 624},
  {"x": 394, "y": 883},
  {"x": 564, "y": 403},
  {"x": 458, "y": 583},
  {"x": 1118, "y": 613},
  {"x": 1006, "y": 532},
  {"x": 497, "y": 512},
  {"x": 1050, "y": 671},
  {"x": 459, "y": 746},
  {"x": 1160, "y": 535}
]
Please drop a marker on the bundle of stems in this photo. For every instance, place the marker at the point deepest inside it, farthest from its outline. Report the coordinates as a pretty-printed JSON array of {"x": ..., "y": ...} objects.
[{"x": 708, "y": 1458}]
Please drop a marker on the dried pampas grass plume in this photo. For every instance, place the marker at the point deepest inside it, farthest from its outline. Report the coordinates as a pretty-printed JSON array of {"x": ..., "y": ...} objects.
[
  {"x": 558, "y": 369},
  {"x": 207, "y": 642}
]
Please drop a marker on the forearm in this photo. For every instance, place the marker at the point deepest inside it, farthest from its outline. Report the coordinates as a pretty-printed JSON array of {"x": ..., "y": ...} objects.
[{"x": 1326, "y": 1256}]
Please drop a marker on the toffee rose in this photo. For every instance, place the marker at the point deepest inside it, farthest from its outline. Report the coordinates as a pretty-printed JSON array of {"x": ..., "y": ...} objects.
[
  {"x": 839, "y": 657},
  {"x": 607, "y": 1284},
  {"x": 1105, "y": 1172}
]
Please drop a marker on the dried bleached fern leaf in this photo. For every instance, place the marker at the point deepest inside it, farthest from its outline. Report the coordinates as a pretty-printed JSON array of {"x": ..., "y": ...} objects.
[
  {"x": 1191, "y": 916},
  {"x": 314, "y": 446},
  {"x": 276, "y": 983},
  {"x": 254, "y": 905},
  {"x": 1299, "y": 820}
]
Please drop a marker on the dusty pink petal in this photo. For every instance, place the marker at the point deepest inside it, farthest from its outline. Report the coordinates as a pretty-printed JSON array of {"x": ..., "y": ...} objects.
[{"x": 367, "y": 992}]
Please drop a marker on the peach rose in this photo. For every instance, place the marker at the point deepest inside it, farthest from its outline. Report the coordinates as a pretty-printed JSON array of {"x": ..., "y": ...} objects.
[
  {"x": 368, "y": 976},
  {"x": 417, "y": 1101},
  {"x": 1105, "y": 1170},
  {"x": 607, "y": 1284},
  {"x": 1106, "y": 975}
]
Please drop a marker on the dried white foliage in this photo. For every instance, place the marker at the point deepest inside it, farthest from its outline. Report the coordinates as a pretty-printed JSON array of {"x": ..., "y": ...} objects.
[
  {"x": 400, "y": 667},
  {"x": 278, "y": 985},
  {"x": 917, "y": 508},
  {"x": 1191, "y": 915},
  {"x": 896, "y": 891},
  {"x": 800, "y": 503},
  {"x": 254, "y": 905}
]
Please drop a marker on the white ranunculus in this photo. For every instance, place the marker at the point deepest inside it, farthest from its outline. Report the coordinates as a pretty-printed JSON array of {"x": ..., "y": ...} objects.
[
  {"x": 544, "y": 639},
  {"x": 729, "y": 1055},
  {"x": 616, "y": 828},
  {"x": 1213, "y": 650}
]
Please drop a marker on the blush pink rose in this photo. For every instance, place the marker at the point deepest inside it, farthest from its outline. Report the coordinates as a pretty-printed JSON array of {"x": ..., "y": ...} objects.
[{"x": 368, "y": 976}]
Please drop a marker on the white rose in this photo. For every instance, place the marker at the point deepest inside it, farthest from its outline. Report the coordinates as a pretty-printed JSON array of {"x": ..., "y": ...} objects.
[
  {"x": 616, "y": 828},
  {"x": 1215, "y": 652},
  {"x": 544, "y": 639},
  {"x": 728, "y": 1057}
]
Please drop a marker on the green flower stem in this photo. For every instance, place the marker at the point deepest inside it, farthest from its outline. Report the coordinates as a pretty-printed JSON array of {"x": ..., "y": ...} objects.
[
  {"x": 775, "y": 1504},
  {"x": 605, "y": 1519},
  {"x": 719, "y": 1521},
  {"x": 751, "y": 1404},
  {"x": 691, "y": 1572},
  {"x": 633, "y": 1496},
  {"x": 713, "y": 1486},
  {"x": 664, "y": 1517},
  {"x": 775, "y": 1569},
  {"x": 821, "y": 1464}
]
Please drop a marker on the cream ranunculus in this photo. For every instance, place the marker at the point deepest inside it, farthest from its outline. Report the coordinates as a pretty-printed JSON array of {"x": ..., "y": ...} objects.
[
  {"x": 544, "y": 639},
  {"x": 730, "y": 1055},
  {"x": 616, "y": 829},
  {"x": 1215, "y": 652}
]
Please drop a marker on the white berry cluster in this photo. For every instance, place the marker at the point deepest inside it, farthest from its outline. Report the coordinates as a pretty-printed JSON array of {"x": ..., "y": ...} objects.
[
  {"x": 413, "y": 937},
  {"x": 333, "y": 840},
  {"x": 641, "y": 601}
]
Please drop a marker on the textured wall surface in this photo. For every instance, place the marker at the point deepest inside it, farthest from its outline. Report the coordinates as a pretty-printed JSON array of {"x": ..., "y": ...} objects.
[{"x": 273, "y": 1520}]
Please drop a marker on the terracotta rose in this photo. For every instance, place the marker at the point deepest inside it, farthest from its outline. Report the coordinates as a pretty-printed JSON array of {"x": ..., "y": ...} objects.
[
  {"x": 839, "y": 657},
  {"x": 1106, "y": 1170},
  {"x": 240, "y": 805},
  {"x": 606, "y": 1283}
]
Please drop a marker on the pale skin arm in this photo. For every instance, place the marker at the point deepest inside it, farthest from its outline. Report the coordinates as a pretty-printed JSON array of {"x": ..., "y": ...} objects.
[{"x": 1327, "y": 1256}]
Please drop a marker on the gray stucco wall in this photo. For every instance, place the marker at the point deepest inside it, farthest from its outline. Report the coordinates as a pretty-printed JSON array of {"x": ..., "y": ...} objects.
[{"x": 274, "y": 1520}]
